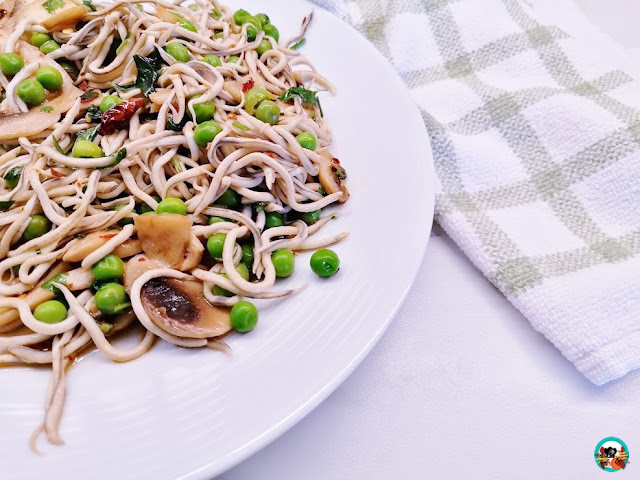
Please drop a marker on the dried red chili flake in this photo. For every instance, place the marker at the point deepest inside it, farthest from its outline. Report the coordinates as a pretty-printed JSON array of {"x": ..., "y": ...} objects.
[
  {"x": 118, "y": 116},
  {"x": 271, "y": 154},
  {"x": 246, "y": 86},
  {"x": 57, "y": 174},
  {"x": 335, "y": 161},
  {"x": 3, "y": 12},
  {"x": 108, "y": 237},
  {"x": 84, "y": 85}
]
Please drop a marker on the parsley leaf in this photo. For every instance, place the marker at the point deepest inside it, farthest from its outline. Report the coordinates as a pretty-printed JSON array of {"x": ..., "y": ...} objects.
[
  {"x": 47, "y": 109},
  {"x": 177, "y": 127},
  {"x": 53, "y": 5},
  {"x": 308, "y": 97},
  {"x": 148, "y": 72},
  {"x": 89, "y": 5},
  {"x": 12, "y": 177},
  {"x": 88, "y": 134},
  {"x": 94, "y": 113}
]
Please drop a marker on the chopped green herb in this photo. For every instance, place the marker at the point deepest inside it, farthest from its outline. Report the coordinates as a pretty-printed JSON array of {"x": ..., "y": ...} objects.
[
  {"x": 94, "y": 113},
  {"x": 106, "y": 327},
  {"x": 298, "y": 44},
  {"x": 12, "y": 177},
  {"x": 322, "y": 192},
  {"x": 89, "y": 5},
  {"x": 148, "y": 72},
  {"x": 53, "y": 5},
  {"x": 88, "y": 96},
  {"x": 88, "y": 134},
  {"x": 57, "y": 146},
  {"x": 120, "y": 155},
  {"x": 177, "y": 127},
  {"x": 38, "y": 252},
  {"x": 6, "y": 205},
  {"x": 240, "y": 126},
  {"x": 47, "y": 109},
  {"x": 309, "y": 97}
]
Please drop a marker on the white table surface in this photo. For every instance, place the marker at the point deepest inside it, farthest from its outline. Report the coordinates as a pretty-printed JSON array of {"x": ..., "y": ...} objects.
[{"x": 461, "y": 386}]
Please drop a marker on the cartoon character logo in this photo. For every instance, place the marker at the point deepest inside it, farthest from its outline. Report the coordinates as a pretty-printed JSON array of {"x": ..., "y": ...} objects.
[{"x": 612, "y": 454}]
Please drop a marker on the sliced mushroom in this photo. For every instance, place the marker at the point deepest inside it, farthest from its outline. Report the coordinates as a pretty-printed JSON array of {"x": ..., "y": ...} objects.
[
  {"x": 233, "y": 88},
  {"x": 36, "y": 120},
  {"x": 83, "y": 247},
  {"x": 68, "y": 14},
  {"x": 167, "y": 15},
  {"x": 332, "y": 175},
  {"x": 78, "y": 279},
  {"x": 167, "y": 238},
  {"x": 176, "y": 306}
]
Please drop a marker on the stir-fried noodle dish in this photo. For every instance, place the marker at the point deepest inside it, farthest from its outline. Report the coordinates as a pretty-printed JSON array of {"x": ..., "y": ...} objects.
[{"x": 161, "y": 166}]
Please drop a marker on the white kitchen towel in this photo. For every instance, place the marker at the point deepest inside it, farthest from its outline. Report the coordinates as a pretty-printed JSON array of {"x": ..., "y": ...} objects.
[{"x": 536, "y": 140}]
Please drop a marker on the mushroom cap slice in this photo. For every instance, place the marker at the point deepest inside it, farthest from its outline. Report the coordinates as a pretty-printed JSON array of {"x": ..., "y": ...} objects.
[
  {"x": 331, "y": 175},
  {"x": 176, "y": 306},
  {"x": 83, "y": 247},
  {"x": 167, "y": 238},
  {"x": 62, "y": 17},
  {"x": 179, "y": 308},
  {"x": 35, "y": 121}
]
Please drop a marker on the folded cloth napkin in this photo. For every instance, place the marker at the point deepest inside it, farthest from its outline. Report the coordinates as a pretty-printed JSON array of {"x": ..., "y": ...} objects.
[{"x": 536, "y": 140}]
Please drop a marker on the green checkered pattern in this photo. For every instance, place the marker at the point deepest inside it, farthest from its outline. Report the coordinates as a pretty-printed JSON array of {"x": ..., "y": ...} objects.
[{"x": 453, "y": 49}]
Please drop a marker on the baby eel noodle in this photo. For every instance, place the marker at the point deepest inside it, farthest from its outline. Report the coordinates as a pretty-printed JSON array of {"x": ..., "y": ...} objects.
[{"x": 147, "y": 132}]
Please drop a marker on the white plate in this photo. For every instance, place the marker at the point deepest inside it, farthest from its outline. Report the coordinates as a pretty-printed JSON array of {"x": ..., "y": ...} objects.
[{"x": 179, "y": 413}]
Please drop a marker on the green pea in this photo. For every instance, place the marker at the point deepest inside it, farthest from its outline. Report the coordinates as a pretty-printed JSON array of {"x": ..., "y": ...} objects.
[
  {"x": 31, "y": 92},
  {"x": 108, "y": 102},
  {"x": 265, "y": 46},
  {"x": 230, "y": 199},
  {"x": 212, "y": 60},
  {"x": 325, "y": 262},
  {"x": 271, "y": 31},
  {"x": 214, "y": 220},
  {"x": 247, "y": 254},
  {"x": 205, "y": 132},
  {"x": 218, "y": 35},
  {"x": 263, "y": 19},
  {"x": 50, "y": 78},
  {"x": 273, "y": 219},
  {"x": 111, "y": 298},
  {"x": 233, "y": 59},
  {"x": 215, "y": 245},
  {"x": 310, "y": 217},
  {"x": 172, "y": 205},
  {"x": 86, "y": 149},
  {"x": 240, "y": 16},
  {"x": 49, "y": 46},
  {"x": 178, "y": 51},
  {"x": 187, "y": 25},
  {"x": 110, "y": 267},
  {"x": 11, "y": 63},
  {"x": 38, "y": 226},
  {"x": 254, "y": 27},
  {"x": 217, "y": 14},
  {"x": 307, "y": 140},
  {"x": 126, "y": 220},
  {"x": 39, "y": 38},
  {"x": 253, "y": 97},
  {"x": 204, "y": 111},
  {"x": 284, "y": 262},
  {"x": 244, "y": 316},
  {"x": 268, "y": 112},
  {"x": 52, "y": 311},
  {"x": 242, "y": 269}
]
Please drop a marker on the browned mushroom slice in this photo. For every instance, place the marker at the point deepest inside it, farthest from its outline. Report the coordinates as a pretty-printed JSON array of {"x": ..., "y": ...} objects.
[
  {"x": 332, "y": 176},
  {"x": 82, "y": 248},
  {"x": 36, "y": 120},
  {"x": 167, "y": 238},
  {"x": 178, "y": 307}
]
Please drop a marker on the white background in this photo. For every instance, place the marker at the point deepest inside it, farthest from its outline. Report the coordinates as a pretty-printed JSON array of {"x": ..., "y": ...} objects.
[{"x": 461, "y": 386}]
